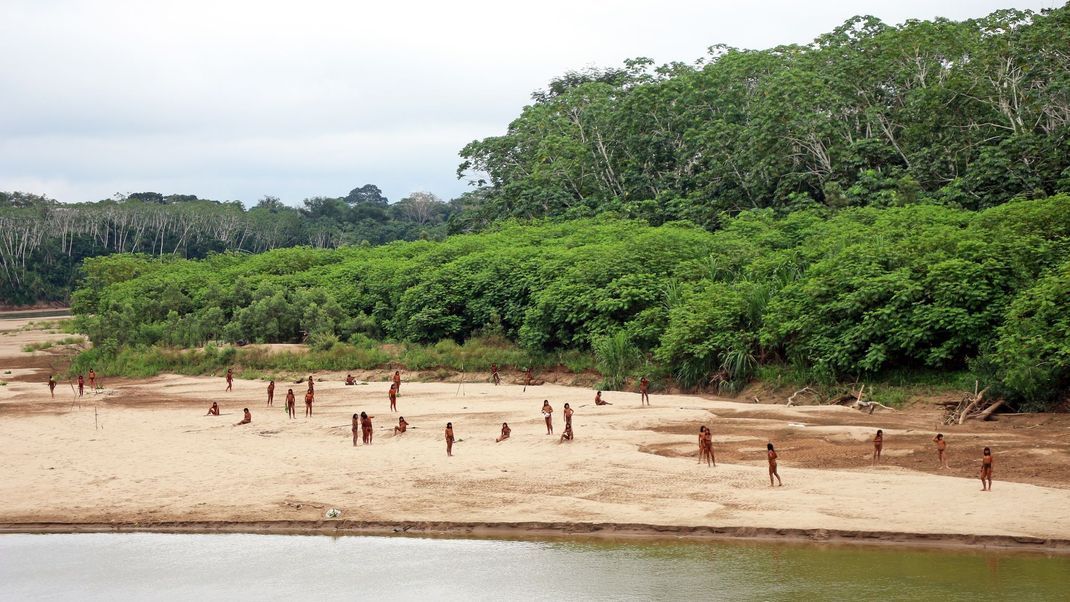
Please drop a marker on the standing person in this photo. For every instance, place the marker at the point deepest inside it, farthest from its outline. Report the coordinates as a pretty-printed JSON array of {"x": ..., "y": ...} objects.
[
  {"x": 449, "y": 439},
  {"x": 401, "y": 427},
  {"x": 52, "y": 386},
  {"x": 494, "y": 374},
  {"x": 271, "y": 392},
  {"x": 291, "y": 401},
  {"x": 230, "y": 379},
  {"x": 393, "y": 394},
  {"x": 246, "y": 419},
  {"x": 598, "y": 401},
  {"x": 397, "y": 382},
  {"x": 644, "y": 388},
  {"x": 709, "y": 447},
  {"x": 92, "y": 380},
  {"x": 986, "y": 469},
  {"x": 366, "y": 428},
  {"x": 702, "y": 445},
  {"x": 355, "y": 428},
  {"x": 547, "y": 414},
  {"x": 311, "y": 383},
  {"x": 527, "y": 377},
  {"x": 214, "y": 410},
  {"x": 81, "y": 385},
  {"x": 506, "y": 431},
  {"x": 309, "y": 398},
  {"x": 771, "y": 454},
  {"x": 568, "y": 416},
  {"x": 941, "y": 450},
  {"x": 878, "y": 445}
]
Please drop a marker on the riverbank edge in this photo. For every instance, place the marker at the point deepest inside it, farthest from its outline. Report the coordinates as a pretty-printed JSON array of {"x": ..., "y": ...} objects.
[{"x": 554, "y": 530}]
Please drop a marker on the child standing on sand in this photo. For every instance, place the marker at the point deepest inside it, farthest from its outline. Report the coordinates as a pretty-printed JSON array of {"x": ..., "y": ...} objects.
[
  {"x": 941, "y": 449},
  {"x": 878, "y": 445},
  {"x": 986, "y": 470},
  {"x": 771, "y": 454},
  {"x": 449, "y": 439}
]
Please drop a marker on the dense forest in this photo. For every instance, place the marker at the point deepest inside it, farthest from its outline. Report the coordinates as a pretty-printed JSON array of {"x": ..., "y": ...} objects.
[
  {"x": 885, "y": 198},
  {"x": 42, "y": 242},
  {"x": 830, "y": 294}
]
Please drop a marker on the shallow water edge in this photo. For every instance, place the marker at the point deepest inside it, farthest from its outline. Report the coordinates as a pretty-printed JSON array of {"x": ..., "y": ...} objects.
[{"x": 563, "y": 531}]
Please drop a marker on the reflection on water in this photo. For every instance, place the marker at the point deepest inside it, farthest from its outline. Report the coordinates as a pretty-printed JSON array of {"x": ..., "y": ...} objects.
[{"x": 275, "y": 567}]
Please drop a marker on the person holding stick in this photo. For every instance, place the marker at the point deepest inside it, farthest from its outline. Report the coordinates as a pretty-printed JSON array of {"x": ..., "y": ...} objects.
[{"x": 494, "y": 376}]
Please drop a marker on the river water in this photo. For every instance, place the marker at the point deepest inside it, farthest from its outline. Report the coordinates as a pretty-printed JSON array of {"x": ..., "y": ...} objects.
[{"x": 145, "y": 566}]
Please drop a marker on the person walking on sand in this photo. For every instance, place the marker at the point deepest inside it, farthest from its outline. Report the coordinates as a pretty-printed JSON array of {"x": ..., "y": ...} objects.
[
  {"x": 81, "y": 385},
  {"x": 52, "y": 386},
  {"x": 494, "y": 376},
  {"x": 401, "y": 427},
  {"x": 771, "y": 454},
  {"x": 355, "y": 428},
  {"x": 366, "y": 428},
  {"x": 230, "y": 379},
  {"x": 449, "y": 439},
  {"x": 397, "y": 382},
  {"x": 214, "y": 410},
  {"x": 291, "y": 402},
  {"x": 568, "y": 415},
  {"x": 878, "y": 445},
  {"x": 548, "y": 415},
  {"x": 644, "y": 391},
  {"x": 393, "y": 395},
  {"x": 92, "y": 380},
  {"x": 506, "y": 431},
  {"x": 941, "y": 450},
  {"x": 309, "y": 398},
  {"x": 986, "y": 469},
  {"x": 246, "y": 419},
  {"x": 598, "y": 401},
  {"x": 271, "y": 392}
]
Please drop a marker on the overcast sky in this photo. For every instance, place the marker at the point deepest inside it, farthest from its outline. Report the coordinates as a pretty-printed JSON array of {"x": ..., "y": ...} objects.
[{"x": 241, "y": 99}]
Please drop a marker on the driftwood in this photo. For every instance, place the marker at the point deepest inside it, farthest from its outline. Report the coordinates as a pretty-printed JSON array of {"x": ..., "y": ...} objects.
[
  {"x": 989, "y": 410},
  {"x": 971, "y": 407},
  {"x": 791, "y": 400},
  {"x": 977, "y": 399}
]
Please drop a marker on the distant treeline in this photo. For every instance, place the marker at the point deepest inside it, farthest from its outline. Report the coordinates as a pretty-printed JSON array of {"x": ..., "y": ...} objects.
[
  {"x": 852, "y": 293},
  {"x": 42, "y": 242},
  {"x": 967, "y": 114}
]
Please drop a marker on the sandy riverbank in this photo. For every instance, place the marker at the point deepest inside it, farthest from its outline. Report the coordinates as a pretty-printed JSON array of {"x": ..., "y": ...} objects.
[{"x": 145, "y": 453}]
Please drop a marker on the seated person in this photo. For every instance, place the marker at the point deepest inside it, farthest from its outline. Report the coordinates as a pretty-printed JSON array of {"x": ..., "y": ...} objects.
[
  {"x": 350, "y": 380},
  {"x": 567, "y": 435},
  {"x": 598, "y": 401},
  {"x": 214, "y": 410},
  {"x": 245, "y": 419},
  {"x": 506, "y": 431}
]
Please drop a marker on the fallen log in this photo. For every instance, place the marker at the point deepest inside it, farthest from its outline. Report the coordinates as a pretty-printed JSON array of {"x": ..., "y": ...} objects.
[
  {"x": 978, "y": 398},
  {"x": 791, "y": 400},
  {"x": 989, "y": 410}
]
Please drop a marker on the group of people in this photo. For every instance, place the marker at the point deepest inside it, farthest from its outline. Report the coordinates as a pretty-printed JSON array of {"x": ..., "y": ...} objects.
[
  {"x": 81, "y": 383},
  {"x": 362, "y": 423}
]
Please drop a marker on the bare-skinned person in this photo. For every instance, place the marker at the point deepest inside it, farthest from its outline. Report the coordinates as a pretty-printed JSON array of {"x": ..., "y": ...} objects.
[
  {"x": 506, "y": 431},
  {"x": 567, "y": 435},
  {"x": 246, "y": 419},
  {"x": 878, "y": 445},
  {"x": 771, "y": 455},
  {"x": 598, "y": 401},
  {"x": 81, "y": 385},
  {"x": 52, "y": 386},
  {"x": 271, "y": 392},
  {"x": 494, "y": 376},
  {"x": 214, "y": 410},
  {"x": 397, "y": 382},
  {"x": 92, "y": 380},
  {"x": 986, "y": 470},
  {"x": 449, "y": 439},
  {"x": 355, "y": 428},
  {"x": 401, "y": 427},
  {"x": 709, "y": 446},
  {"x": 644, "y": 391},
  {"x": 311, "y": 383},
  {"x": 291, "y": 403},
  {"x": 568, "y": 415},
  {"x": 548, "y": 415},
  {"x": 366, "y": 428},
  {"x": 941, "y": 450},
  {"x": 230, "y": 379},
  {"x": 350, "y": 380},
  {"x": 527, "y": 377},
  {"x": 310, "y": 396},
  {"x": 393, "y": 395}
]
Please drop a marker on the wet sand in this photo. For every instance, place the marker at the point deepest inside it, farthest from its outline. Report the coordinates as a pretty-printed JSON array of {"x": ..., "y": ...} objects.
[{"x": 143, "y": 454}]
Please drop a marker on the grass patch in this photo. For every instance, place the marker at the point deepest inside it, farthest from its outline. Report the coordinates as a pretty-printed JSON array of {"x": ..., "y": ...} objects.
[{"x": 50, "y": 344}]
